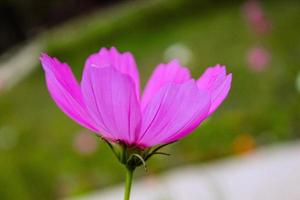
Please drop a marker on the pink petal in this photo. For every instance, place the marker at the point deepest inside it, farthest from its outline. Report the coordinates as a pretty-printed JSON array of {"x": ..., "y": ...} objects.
[
  {"x": 172, "y": 113},
  {"x": 65, "y": 90},
  {"x": 123, "y": 62},
  {"x": 163, "y": 74},
  {"x": 217, "y": 83},
  {"x": 112, "y": 102}
]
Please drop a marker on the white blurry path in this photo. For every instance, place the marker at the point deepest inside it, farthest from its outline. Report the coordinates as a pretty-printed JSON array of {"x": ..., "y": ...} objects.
[
  {"x": 271, "y": 173},
  {"x": 17, "y": 64}
]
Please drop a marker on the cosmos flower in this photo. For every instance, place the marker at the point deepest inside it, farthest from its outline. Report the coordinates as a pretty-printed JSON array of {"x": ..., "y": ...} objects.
[
  {"x": 256, "y": 17},
  {"x": 258, "y": 58},
  {"x": 84, "y": 143},
  {"x": 108, "y": 100}
]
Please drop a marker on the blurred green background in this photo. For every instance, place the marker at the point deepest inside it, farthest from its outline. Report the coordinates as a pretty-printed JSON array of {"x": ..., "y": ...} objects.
[{"x": 45, "y": 155}]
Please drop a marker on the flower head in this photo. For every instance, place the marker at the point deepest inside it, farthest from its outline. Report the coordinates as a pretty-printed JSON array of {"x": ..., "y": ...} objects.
[
  {"x": 256, "y": 17},
  {"x": 108, "y": 99},
  {"x": 258, "y": 58}
]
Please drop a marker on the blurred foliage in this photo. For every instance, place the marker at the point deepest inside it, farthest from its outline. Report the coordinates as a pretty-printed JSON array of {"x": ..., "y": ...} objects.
[{"x": 262, "y": 108}]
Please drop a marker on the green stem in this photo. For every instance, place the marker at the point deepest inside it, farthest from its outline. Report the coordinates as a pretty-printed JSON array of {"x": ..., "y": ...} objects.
[{"x": 129, "y": 173}]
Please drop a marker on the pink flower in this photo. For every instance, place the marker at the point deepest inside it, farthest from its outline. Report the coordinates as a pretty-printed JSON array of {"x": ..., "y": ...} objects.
[
  {"x": 258, "y": 59},
  {"x": 108, "y": 99},
  {"x": 84, "y": 143},
  {"x": 256, "y": 17}
]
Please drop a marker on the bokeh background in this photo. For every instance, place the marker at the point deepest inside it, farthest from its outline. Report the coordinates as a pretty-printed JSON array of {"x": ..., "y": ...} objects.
[{"x": 45, "y": 155}]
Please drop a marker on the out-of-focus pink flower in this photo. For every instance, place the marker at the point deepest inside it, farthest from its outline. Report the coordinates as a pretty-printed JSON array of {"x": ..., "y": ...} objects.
[
  {"x": 256, "y": 17},
  {"x": 108, "y": 100},
  {"x": 258, "y": 59},
  {"x": 84, "y": 143}
]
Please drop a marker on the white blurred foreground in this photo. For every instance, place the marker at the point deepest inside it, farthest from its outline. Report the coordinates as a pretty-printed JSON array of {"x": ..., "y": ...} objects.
[{"x": 271, "y": 173}]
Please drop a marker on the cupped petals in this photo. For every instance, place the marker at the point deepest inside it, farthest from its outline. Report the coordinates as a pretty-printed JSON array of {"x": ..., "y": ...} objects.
[
  {"x": 172, "y": 113},
  {"x": 65, "y": 90},
  {"x": 123, "y": 62},
  {"x": 217, "y": 83},
  {"x": 163, "y": 74},
  {"x": 112, "y": 102}
]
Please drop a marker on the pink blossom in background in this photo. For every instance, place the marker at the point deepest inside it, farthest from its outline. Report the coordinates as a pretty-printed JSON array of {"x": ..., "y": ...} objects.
[
  {"x": 256, "y": 17},
  {"x": 84, "y": 143},
  {"x": 108, "y": 100},
  {"x": 258, "y": 59}
]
